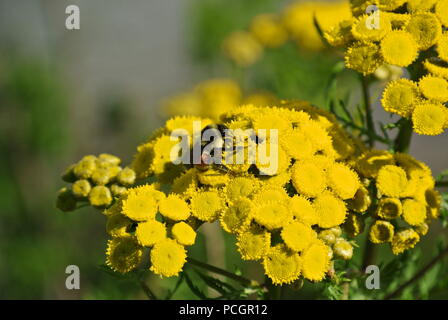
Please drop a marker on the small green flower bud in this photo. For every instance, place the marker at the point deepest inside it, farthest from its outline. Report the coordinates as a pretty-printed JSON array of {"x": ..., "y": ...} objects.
[
  {"x": 65, "y": 200},
  {"x": 337, "y": 231},
  {"x": 126, "y": 177},
  {"x": 117, "y": 190},
  {"x": 81, "y": 188},
  {"x": 100, "y": 196},
  {"x": 343, "y": 249},
  {"x": 69, "y": 175},
  {"x": 327, "y": 236}
]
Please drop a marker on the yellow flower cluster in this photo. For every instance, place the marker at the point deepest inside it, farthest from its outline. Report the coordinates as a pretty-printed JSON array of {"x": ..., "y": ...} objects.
[
  {"x": 95, "y": 180},
  {"x": 296, "y": 22},
  {"x": 404, "y": 199},
  {"x": 403, "y": 34},
  {"x": 294, "y": 220},
  {"x": 212, "y": 97}
]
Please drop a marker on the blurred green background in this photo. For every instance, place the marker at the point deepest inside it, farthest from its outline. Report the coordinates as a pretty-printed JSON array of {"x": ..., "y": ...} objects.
[{"x": 65, "y": 93}]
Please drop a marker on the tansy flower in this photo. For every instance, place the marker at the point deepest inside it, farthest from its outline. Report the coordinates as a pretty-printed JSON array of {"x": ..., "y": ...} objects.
[
  {"x": 282, "y": 265},
  {"x": 429, "y": 118},
  {"x": 185, "y": 182},
  {"x": 100, "y": 196},
  {"x": 342, "y": 180},
  {"x": 343, "y": 249},
  {"x": 174, "y": 208},
  {"x": 391, "y": 181},
  {"x": 434, "y": 88},
  {"x": 442, "y": 46},
  {"x": 308, "y": 178},
  {"x": 370, "y": 163},
  {"x": 414, "y": 212},
  {"x": 315, "y": 261},
  {"x": 353, "y": 225},
  {"x": 361, "y": 201},
  {"x": 183, "y": 233},
  {"x": 381, "y": 232},
  {"x": 340, "y": 34},
  {"x": 117, "y": 225},
  {"x": 206, "y": 205},
  {"x": 436, "y": 67},
  {"x": 167, "y": 258},
  {"x": 422, "y": 229},
  {"x": 399, "y": 48},
  {"x": 101, "y": 176},
  {"x": 441, "y": 10},
  {"x": 389, "y": 208},
  {"x": 213, "y": 177},
  {"x": 143, "y": 160},
  {"x": 237, "y": 216},
  {"x": 254, "y": 243},
  {"x": 303, "y": 210},
  {"x": 81, "y": 188},
  {"x": 268, "y": 30},
  {"x": 271, "y": 193},
  {"x": 84, "y": 168},
  {"x": 272, "y": 215},
  {"x": 123, "y": 254},
  {"x": 404, "y": 240},
  {"x": 241, "y": 187},
  {"x": 400, "y": 96},
  {"x": 141, "y": 203},
  {"x": 126, "y": 177},
  {"x": 420, "y": 5},
  {"x": 361, "y": 32},
  {"x": 425, "y": 28},
  {"x": 363, "y": 57},
  {"x": 242, "y": 48},
  {"x": 150, "y": 232},
  {"x": 330, "y": 209},
  {"x": 298, "y": 236}
]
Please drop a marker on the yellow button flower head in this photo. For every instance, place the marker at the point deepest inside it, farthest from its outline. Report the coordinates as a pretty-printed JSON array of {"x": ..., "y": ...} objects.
[
  {"x": 150, "y": 232},
  {"x": 434, "y": 88},
  {"x": 354, "y": 225},
  {"x": 167, "y": 258},
  {"x": 343, "y": 180},
  {"x": 141, "y": 203},
  {"x": 399, "y": 48},
  {"x": 206, "y": 205},
  {"x": 272, "y": 193},
  {"x": 84, "y": 168},
  {"x": 241, "y": 187},
  {"x": 340, "y": 34},
  {"x": 81, "y": 188},
  {"x": 433, "y": 198},
  {"x": 420, "y": 5},
  {"x": 185, "y": 182},
  {"x": 441, "y": 11},
  {"x": 361, "y": 32},
  {"x": 272, "y": 215},
  {"x": 123, "y": 254},
  {"x": 298, "y": 236},
  {"x": 330, "y": 209},
  {"x": 381, "y": 232},
  {"x": 389, "y": 208},
  {"x": 308, "y": 178},
  {"x": 303, "y": 210},
  {"x": 425, "y": 28},
  {"x": 363, "y": 57},
  {"x": 370, "y": 163},
  {"x": 343, "y": 249},
  {"x": 254, "y": 243},
  {"x": 175, "y": 208},
  {"x": 242, "y": 48},
  {"x": 442, "y": 46},
  {"x": 436, "y": 67},
  {"x": 400, "y": 97},
  {"x": 429, "y": 118},
  {"x": 143, "y": 160},
  {"x": 282, "y": 265},
  {"x": 237, "y": 216},
  {"x": 126, "y": 176},
  {"x": 391, "y": 181},
  {"x": 404, "y": 240},
  {"x": 361, "y": 201},
  {"x": 117, "y": 225},
  {"x": 100, "y": 196},
  {"x": 268, "y": 30},
  {"x": 315, "y": 261},
  {"x": 184, "y": 234},
  {"x": 414, "y": 212}
]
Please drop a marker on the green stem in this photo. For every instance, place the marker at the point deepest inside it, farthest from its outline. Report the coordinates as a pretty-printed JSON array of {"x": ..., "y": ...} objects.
[
  {"x": 368, "y": 109},
  {"x": 244, "y": 281},
  {"x": 403, "y": 140},
  {"x": 146, "y": 289},
  {"x": 442, "y": 184},
  {"x": 418, "y": 275},
  {"x": 369, "y": 254}
]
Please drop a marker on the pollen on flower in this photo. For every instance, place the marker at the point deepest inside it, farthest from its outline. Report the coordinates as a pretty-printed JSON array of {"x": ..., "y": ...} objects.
[
  {"x": 184, "y": 234},
  {"x": 282, "y": 265},
  {"x": 399, "y": 48},
  {"x": 167, "y": 258},
  {"x": 429, "y": 118},
  {"x": 391, "y": 181},
  {"x": 315, "y": 261},
  {"x": 175, "y": 208},
  {"x": 206, "y": 206},
  {"x": 150, "y": 232},
  {"x": 400, "y": 97},
  {"x": 330, "y": 209},
  {"x": 298, "y": 236},
  {"x": 254, "y": 243}
]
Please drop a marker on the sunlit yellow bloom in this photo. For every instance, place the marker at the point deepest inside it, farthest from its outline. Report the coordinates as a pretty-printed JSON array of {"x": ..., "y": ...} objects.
[
  {"x": 303, "y": 210},
  {"x": 298, "y": 236},
  {"x": 254, "y": 243},
  {"x": 399, "y": 48},
  {"x": 150, "y": 232},
  {"x": 400, "y": 97},
  {"x": 434, "y": 88},
  {"x": 206, "y": 205},
  {"x": 364, "y": 58},
  {"x": 282, "y": 265},
  {"x": 81, "y": 188},
  {"x": 414, "y": 212},
  {"x": 425, "y": 28},
  {"x": 371, "y": 33},
  {"x": 308, "y": 178},
  {"x": 404, "y": 240},
  {"x": 381, "y": 232},
  {"x": 343, "y": 180},
  {"x": 237, "y": 217},
  {"x": 330, "y": 209},
  {"x": 315, "y": 261},
  {"x": 441, "y": 10},
  {"x": 429, "y": 118},
  {"x": 183, "y": 233},
  {"x": 391, "y": 181},
  {"x": 141, "y": 203},
  {"x": 436, "y": 67},
  {"x": 123, "y": 254},
  {"x": 167, "y": 258}
]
